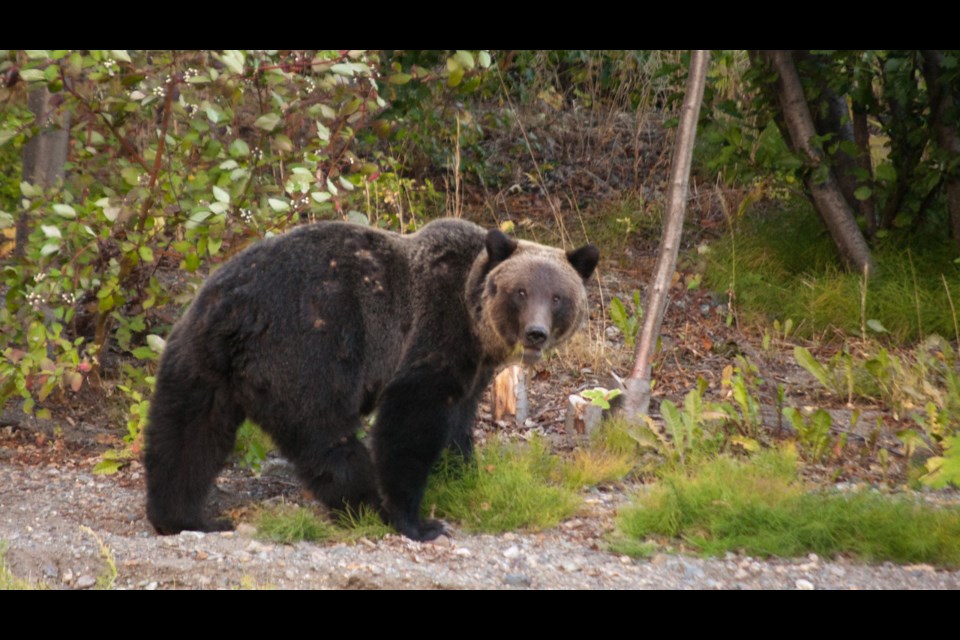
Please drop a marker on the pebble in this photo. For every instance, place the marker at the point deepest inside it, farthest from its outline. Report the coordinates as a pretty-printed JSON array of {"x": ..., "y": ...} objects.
[
  {"x": 517, "y": 580},
  {"x": 570, "y": 566},
  {"x": 512, "y": 553},
  {"x": 804, "y": 585},
  {"x": 85, "y": 582}
]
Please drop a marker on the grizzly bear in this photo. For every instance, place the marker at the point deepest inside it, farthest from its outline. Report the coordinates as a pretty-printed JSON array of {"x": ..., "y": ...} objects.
[{"x": 308, "y": 332}]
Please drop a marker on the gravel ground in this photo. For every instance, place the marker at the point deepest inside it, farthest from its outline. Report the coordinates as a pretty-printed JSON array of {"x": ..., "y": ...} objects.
[{"x": 58, "y": 520}]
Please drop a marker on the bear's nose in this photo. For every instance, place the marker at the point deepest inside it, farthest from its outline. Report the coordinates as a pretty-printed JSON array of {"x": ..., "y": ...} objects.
[{"x": 536, "y": 336}]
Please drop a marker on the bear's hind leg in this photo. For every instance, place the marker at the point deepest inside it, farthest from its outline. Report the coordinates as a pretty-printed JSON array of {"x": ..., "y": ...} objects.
[
  {"x": 337, "y": 472},
  {"x": 191, "y": 432}
]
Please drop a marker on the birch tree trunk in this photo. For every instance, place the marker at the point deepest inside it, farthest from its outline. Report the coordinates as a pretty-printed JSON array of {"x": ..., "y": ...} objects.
[
  {"x": 637, "y": 394},
  {"x": 824, "y": 189}
]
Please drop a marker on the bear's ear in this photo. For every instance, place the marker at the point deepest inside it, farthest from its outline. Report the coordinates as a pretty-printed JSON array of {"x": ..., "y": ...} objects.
[
  {"x": 499, "y": 246},
  {"x": 584, "y": 260}
]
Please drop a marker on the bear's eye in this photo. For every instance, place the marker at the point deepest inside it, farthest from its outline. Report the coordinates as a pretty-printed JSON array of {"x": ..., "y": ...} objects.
[
  {"x": 557, "y": 300},
  {"x": 521, "y": 293}
]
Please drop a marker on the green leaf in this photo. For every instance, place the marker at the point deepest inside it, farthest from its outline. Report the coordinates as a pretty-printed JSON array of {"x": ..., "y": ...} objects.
[
  {"x": 278, "y": 205},
  {"x": 234, "y": 60},
  {"x": 322, "y": 131},
  {"x": 465, "y": 58},
  {"x": 455, "y": 78},
  {"x": 51, "y": 231},
  {"x": 484, "y": 59},
  {"x": 144, "y": 353},
  {"x": 156, "y": 343},
  {"x": 131, "y": 175},
  {"x": 806, "y": 360},
  {"x": 320, "y": 196},
  {"x": 221, "y": 195},
  {"x": 49, "y": 249},
  {"x": 6, "y": 135},
  {"x": 863, "y": 193},
  {"x": 65, "y": 211},
  {"x": 346, "y": 184},
  {"x": 146, "y": 254},
  {"x": 400, "y": 78},
  {"x": 108, "y": 467},
  {"x": 33, "y": 75},
  {"x": 239, "y": 149},
  {"x": 212, "y": 114},
  {"x": 37, "y": 54},
  {"x": 877, "y": 326},
  {"x": 120, "y": 54},
  {"x": 267, "y": 121},
  {"x": 357, "y": 218}
]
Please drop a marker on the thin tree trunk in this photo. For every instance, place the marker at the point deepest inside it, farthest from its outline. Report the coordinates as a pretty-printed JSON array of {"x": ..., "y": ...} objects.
[
  {"x": 637, "y": 396},
  {"x": 44, "y": 155},
  {"x": 827, "y": 197},
  {"x": 948, "y": 139}
]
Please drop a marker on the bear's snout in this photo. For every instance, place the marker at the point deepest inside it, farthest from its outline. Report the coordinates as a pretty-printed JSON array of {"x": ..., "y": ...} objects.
[{"x": 536, "y": 335}]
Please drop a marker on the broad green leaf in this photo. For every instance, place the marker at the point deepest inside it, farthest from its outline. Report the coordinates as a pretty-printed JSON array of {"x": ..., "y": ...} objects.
[
  {"x": 6, "y": 135},
  {"x": 267, "y": 121},
  {"x": 320, "y": 196},
  {"x": 219, "y": 207},
  {"x": 36, "y": 54},
  {"x": 239, "y": 149},
  {"x": 278, "y": 205},
  {"x": 156, "y": 343},
  {"x": 455, "y": 78},
  {"x": 32, "y": 75},
  {"x": 346, "y": 184},
  {"x": 146, "y": 253},
  {"x": 234, "y": 60},
  {"x": 120, "y": 54},
  {"x": 400, "y": 78},
  {"x": 49, "y": 249},
  {"x": 28, "y": 190},
  {"x": 212, "y": 114},
  {"x": 51, "y": 231},
  {"x": 65, "y": 211},
  {"x": 131, "y": 175},
  {"x": 322, "y": 131},
  {"x": 357, "y": 218},
  {"x": 484, "y": 59},
  {"x": 221, "y": 195},
  {"x": 465, "y": 58},
  {"x": 863, "y": 193},
  {"x": 107, "y": 467}
]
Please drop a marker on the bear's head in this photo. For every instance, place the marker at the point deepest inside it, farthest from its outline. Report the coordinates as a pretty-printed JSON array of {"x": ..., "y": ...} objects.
[{"x": 526, "y": 297}]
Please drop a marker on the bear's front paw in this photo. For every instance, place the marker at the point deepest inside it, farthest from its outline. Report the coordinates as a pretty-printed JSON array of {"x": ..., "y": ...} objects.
[{"x": 423, "y": 530}]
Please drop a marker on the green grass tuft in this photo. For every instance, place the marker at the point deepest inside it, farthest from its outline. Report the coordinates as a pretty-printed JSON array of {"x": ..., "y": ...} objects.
[
  {"x": 288, "y": 524},
  {"x": 760, "y": 507},
  {"x": 504, "y": 488},
  {"x": 592, "y": 467},
  {"x": 785, "y": 266}
]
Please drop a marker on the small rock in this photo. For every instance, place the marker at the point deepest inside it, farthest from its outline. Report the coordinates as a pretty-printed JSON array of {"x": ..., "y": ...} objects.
[
  {"x": 67, "y": 577},
  {"x": 512, "y": 553},
  {"x": 804, "y": 585},
  {"x": 691, "y": 571},
  {"x": 517, "y": 580},
  {"x": 463, "y": 553},
  {"x": 151, "y": 586},
  {"x": 838, "y": 571},
  {"x": 195, "y": 535},
  {"x": 570, "y": 566},
  {"x": 85, "y": 582},
  {"x": 246, "y": 529},
  {"x": 740, "y": 574},
  {"x": 50, "y": 571}
]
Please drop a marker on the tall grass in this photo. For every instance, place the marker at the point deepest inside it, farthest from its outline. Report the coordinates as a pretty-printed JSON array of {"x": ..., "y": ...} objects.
[{"x": 783, "y": 265}]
